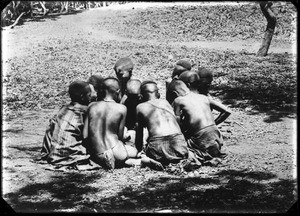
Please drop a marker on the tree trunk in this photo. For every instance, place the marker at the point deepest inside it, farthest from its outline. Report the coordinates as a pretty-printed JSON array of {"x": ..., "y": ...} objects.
[
  {"x": 271, "y": 19},
  {"x": 44, "y": 8}
]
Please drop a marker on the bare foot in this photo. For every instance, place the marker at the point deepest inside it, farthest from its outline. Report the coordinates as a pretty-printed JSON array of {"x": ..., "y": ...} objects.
[
  {"x": 153, "y": 164},
  {"x": 133, "y": 162}
]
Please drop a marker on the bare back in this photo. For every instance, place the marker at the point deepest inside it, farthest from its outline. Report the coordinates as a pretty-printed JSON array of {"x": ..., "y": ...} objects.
[
  {"x": 195, "y": 111},
  {"x": 105, "y": 125},
  {"x": 159, "y": 118}
]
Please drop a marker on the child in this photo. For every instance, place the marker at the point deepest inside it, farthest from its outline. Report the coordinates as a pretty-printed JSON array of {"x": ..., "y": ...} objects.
[
  {"x": 104, "y": 129},
  {"x": 206, "y": 78},
  {"x": 193, "y": 111},
  {"x": 97, "y": 83},
  {"x": 62, "y": 144},
  {"x": 131, "y": 99},
  {"x": 123, "y": 69},
  {"x": 192, "y": 80},
  {"x": 180, "y": 67},
  {"x": 166, "y": 144}
]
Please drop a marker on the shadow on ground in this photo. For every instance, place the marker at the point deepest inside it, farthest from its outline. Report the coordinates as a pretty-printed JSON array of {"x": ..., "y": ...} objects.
[
  {"x": 52, "y": 16},
  {"x": 225, "y": 191},
  {"x": 65, "y": 190},
  {"x": 243, "y": 192},
  {"x": 261, "y": 84}
]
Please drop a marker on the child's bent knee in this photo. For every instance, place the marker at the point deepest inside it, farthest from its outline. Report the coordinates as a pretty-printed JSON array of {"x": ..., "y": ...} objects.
[
  {"x": 131, "y": 151},
  {"x": 120, "y": 152}
]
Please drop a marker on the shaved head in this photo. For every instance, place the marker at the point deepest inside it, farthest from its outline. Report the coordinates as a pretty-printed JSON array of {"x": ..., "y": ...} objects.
[
  {"x": 206, "y": 78},
  {"x": 190, "y": 78},
  {"x": 111, "y": 84},
  {"x": 179, "y": 87},
  {"x": 123, "y": 64},
  {"x": 180, "y": 67},
  {"x": 148, "y": 86},
  {"x": 204, "y": 73},
  {"x": 149, "y": 89},
  {"x": 133, "y": 86},
  {"x": 184, "y": 63}
]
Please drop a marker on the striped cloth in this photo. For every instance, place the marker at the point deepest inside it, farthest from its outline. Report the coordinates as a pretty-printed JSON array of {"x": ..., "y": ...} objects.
[{"x": 62, "y": 144}]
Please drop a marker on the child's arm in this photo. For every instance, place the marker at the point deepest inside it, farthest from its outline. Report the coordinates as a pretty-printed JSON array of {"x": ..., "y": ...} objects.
[
  {"x": 122, "y": 123},
  {"x": 139, "y": 132},
  {"x": 123, "y": 99},
  {"x": 177, "y": 111},
  {"x": 224, "y": 112},
  {"x": 85, "y": 131}
]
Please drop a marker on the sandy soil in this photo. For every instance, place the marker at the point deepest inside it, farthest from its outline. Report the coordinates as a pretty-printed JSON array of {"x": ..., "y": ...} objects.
[{"x": 259, "y": 175}]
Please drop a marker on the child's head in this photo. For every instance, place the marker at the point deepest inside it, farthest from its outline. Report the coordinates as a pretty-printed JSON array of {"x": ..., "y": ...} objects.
[
  {"x": 206, "y": 78},
  {"x": 111, "y": 88},
  {"x": 97, "y": 82},
  {"x": 149, "y": 90},
  {"x": 180, "y": 67},
  {"x": 123, "y": 69},
  {"x": 133, "y": 87},
  {"x": 80, "y": 92},
  {"x": 177, "y": 88},
  {"x": 191, "y": 79}
]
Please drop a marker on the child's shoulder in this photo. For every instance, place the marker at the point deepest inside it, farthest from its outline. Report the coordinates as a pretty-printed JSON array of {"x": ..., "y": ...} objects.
[
  {"x": 119, "y": 107},
  {"x": 141, "y": 105},
  {"x": 76, "y": 107}
]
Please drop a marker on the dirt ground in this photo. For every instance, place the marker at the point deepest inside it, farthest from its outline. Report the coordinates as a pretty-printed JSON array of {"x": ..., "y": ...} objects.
[{"x": 258, "y": 176}]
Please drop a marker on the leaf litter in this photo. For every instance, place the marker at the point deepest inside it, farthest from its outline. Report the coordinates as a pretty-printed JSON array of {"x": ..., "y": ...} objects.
[{"x": 254, "y": 177}]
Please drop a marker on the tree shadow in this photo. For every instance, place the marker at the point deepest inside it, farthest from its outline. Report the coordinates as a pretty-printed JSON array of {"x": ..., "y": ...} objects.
[
  {"x": 231, "y": 191},
  {"x": 64, "y": 191},
  {"x": 52, "y": 16},
  {"x": 226, "y": 191},
  {"x": 30, "y": 150},
  {"x": 261, "y": 85}
]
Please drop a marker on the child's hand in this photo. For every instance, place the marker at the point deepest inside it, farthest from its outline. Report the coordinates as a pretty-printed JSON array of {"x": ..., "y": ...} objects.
[{"x": 126, "y": 138}]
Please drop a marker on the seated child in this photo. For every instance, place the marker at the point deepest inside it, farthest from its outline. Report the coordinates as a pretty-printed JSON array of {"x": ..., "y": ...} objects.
[
  {"x": 123, "y": 69},
  {"x": 166, "y": 144},
  {"x": 62, "y": 144},
  {"x": 180, "y": 67},
  {"x": 131, "y": 99},
  {"x": 97, "y": 83},
  {"x": 206, "y": 78},
  {"x": 192, "y": 80},
  {"x": 193, "y": 111},
  {"x": 104, "y": 129}
]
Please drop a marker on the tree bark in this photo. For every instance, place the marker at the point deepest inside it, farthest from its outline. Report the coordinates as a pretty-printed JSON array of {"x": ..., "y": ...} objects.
[
  {"x": 15, "y": 23},
  {"x": 271, "y": 19}
]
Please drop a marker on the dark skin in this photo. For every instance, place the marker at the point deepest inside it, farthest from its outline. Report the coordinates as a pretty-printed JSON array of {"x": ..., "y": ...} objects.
[
  {"x": 191, "y": 79},
  {"x": 95, "y": 82},
  {"x": 188, "y": 106},
  {"x": 180, "y": 67},
  {"x": 156, "y": 115},
  {"x": 86, "y": 96},
  {"x": 131, "y": 99},
  {"x": 123, "y": 69},
  {"x": 104, "y": 125},
  {"x": 206, "y": 78}
]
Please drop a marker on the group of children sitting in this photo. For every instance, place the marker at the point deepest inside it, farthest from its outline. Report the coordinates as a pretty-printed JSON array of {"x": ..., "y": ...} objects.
[{"x": 119, "y": 121}]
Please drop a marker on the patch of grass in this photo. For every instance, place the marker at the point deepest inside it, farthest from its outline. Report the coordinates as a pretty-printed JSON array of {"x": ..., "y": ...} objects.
[{"x": 193, "y": 23}]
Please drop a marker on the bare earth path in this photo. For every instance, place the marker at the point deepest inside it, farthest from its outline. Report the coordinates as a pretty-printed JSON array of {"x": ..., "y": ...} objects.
[{"x": 257, "y": 176}]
